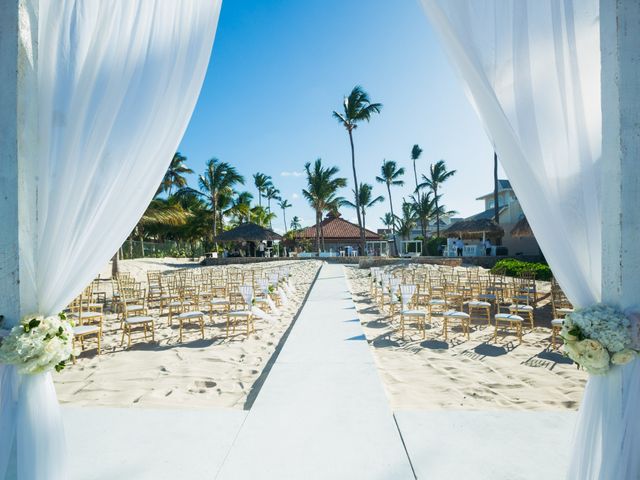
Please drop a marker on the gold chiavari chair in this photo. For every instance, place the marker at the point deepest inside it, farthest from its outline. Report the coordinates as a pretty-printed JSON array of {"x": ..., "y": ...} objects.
[
  {"x": 561, "y": 307},
  {"x": 87, "y": 323}
]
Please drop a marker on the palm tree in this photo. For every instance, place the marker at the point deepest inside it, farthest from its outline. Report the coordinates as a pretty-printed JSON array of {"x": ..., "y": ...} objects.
[
  {"x": 365, "y": 201},
  {"x": 390, "y": 175},
  {"x": 388, "y": 220},
  {"x": 295, "y": 223},
  {"x": 356, "y": 108},
  {"x": 175, "y": 174},
  {"x": 322, "y": 185},
  {"x": 272, "y": 193},
  {"x": 416, "y": 151},
  {"x": 261, "y": 216},
  {"x": 262, "y": 182},
  {"x": 438, "y": 174},
  {"x": 424, "y": 209},
  {"x": 160, "y": 212},
  {"x": 216, "y": 185},
  {"x": 284, "y": 204},
  {"x": 407, "y": 222},
  {"x": 241, "y": 207}
]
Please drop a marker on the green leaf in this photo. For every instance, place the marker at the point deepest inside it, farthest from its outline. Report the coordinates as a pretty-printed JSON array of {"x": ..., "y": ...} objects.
[
  {"x": 59, "y": 367},
  {"x": 33, "y": 323}
]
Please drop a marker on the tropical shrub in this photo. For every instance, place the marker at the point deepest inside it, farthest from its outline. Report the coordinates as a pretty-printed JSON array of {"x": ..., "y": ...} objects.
[
  {"x": 434, "y": 244},
  {"x": 513, "y": 268}
]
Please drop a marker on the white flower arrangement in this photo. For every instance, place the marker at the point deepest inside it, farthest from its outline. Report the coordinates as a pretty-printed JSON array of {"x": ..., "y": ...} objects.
[
  {"x": 38, "y": 344},
  {"x": 597, "y": 337}
]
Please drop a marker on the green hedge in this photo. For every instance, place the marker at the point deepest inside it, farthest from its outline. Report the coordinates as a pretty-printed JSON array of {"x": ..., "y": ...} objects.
[{"x": 513, "y": 268}]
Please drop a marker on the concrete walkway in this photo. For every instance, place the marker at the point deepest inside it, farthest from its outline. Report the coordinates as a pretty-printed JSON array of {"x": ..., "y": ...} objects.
[{"x": 322, "y": 412}]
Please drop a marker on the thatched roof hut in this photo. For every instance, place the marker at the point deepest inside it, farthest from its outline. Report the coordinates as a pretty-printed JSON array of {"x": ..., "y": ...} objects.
[
  {"x": 248, "y": 232},
  {"x": 474, "y": 228},
  {"x": 522, "y": 229}
]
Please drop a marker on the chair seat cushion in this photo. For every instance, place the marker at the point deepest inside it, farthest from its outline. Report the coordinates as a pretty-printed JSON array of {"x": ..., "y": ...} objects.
[
  {"x": 478, "y": 303},
  {"x": 137, "y": 320},
  {"x": 437, "y": 301},
  {"x": 487, "y": 296},
  {"x": 414, "y": 313},
  {"x": 194, "y": 314},
  {"x": 564, "y": 311},
  {"x": 557, "y": 322},
  {"x": 219, "y": 301},
  {"x": 521, "y": 308},
  {"x": 134, "y": 308},
  {"x": 509, "y": 317},
  {"x": 239, "y": 313},
  {"x": 85, "y": 330},
  {"x": 455, "y": 314}
]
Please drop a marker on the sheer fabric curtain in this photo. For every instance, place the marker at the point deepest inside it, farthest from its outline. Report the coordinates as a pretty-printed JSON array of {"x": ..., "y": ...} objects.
[
  {"x": 116, "y": 86},
  {"x": 532, "y": 71}
]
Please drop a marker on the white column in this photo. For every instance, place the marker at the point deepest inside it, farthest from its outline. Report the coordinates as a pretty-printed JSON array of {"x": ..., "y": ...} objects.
[
  {"x": 18, "y": 126},
  {"x": 620, "y": 49}
]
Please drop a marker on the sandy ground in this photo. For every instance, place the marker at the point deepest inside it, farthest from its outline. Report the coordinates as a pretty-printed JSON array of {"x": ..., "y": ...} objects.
[
  {"x": 475, "y": 374},
  {"x": 214, "y": 372}
]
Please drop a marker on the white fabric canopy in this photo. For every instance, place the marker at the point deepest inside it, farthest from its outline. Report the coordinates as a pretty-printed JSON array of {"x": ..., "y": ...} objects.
[
  {"x": 532, "y": 71},
  {"x": 117, "y": 83}
]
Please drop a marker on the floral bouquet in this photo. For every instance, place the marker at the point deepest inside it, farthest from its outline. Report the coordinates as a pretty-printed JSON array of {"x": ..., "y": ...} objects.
[
  {"x": 38, "y": 344},
  {"x": 597, "y": 337}
]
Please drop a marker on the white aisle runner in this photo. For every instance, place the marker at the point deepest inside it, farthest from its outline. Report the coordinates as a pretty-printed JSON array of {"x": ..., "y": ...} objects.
[{"x": 322, "y": 412}]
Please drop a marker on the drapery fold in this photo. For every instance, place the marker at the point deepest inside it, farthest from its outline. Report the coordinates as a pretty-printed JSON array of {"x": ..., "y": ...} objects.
[
  {"x": 117, "y": 82},
  {"x": 531, "y": 69}
]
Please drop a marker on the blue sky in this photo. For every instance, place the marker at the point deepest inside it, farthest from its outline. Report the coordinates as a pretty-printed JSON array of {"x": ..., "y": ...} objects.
[{"x": 279, "y": 68}]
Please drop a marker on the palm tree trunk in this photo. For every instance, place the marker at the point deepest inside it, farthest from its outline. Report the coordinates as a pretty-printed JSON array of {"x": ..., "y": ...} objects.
[
  {"x": 415, "y": 176},
  {"x": 284, "y": 217},
  {"x": 364, "y": 228},
  {"x": 141, "y": 233},
  {"x": 356, "y": 189},
  {"x": 393, "y": 225},
  {"x": 114, "y": 266},
  {"x": 423, "y": 228},
  {"x": 318, "y": 232},
  {"x": 496, "y": 210},
  {"x": 435, "y": 196}
]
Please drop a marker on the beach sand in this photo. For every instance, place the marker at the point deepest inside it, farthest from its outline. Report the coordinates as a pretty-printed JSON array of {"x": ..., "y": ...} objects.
[
  {"x": 214, "y": 372},
  {"x": 477, "y": 374}
]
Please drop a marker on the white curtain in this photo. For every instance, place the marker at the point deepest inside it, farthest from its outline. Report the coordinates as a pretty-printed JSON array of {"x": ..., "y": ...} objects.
[
  {"x": 117, "y": 82},
  {"x": 532, "y": 71}
]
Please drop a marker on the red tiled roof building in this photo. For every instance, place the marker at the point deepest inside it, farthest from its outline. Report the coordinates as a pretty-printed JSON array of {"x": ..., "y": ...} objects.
[{"x": 338, "y": 234}]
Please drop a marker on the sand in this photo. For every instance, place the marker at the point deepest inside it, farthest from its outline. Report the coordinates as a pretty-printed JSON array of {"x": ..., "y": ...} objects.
[
  {"x": 214, "y": 372},
  {"x": 475, "y": 374}
]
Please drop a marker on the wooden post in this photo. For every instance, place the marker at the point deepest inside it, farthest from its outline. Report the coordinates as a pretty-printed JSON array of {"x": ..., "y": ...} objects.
[
  {"x": 620, "y": 165},
  {"x": 18, "y": 134}
]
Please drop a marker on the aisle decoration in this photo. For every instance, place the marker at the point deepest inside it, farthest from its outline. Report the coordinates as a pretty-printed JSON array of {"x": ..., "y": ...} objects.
[
  {"x": 598, "y": 337},
  {"x": 38, "y": 344}
]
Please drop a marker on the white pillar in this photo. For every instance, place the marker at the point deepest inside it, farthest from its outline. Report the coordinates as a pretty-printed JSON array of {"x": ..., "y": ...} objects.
[{"x": 18, "y": 127}]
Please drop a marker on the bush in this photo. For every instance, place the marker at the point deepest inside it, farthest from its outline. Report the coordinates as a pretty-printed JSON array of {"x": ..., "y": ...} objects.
[
  {"x": 434, "y": 244},
  {"x": 513, "y": 268}
]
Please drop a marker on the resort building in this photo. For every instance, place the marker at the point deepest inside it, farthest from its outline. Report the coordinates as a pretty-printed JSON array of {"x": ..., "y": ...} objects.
[
  {"x": 339, "y": 235},
  {"x": 509, "y": 214}
]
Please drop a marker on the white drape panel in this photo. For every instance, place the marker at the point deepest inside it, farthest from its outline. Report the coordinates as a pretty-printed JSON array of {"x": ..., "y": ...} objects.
[
  {"x": 117, "y": 83},
  {"x": 532, "y": 71}
]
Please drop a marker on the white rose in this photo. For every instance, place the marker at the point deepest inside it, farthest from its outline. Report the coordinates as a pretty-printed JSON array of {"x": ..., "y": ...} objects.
[
  {"x": 623, "y": 357},
  {"x": 567, "y": 326},
  {"x": 594, "y": 356}
]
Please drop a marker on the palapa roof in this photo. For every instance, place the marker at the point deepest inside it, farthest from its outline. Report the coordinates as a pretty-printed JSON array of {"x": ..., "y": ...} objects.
[
  {"x": 248, "y": 232},
  {"x": 336, "y": 228},
  {"x": 474, "y": 228},
  {"x": 522, "y": 229}
]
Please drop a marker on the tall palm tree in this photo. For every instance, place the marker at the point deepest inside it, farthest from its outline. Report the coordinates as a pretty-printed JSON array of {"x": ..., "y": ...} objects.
[
  {"x": 295, "y": 223},
  {"x": 322, "y": 186},
  {"x": 272, "y": 193},
  {"x": 388, "y": 220},
  {"x": 175, "y": 174},
  {"x": 391, "y": 175},
  {"x": 416, "y": 151},
  {"x": 216, "y": 185},
  {"x": 424, "y": 209},
  {"x": 284, "y": 204},
  {"x": 356, "y": 108},
  {"x": 438, "y": 174},
  {"x": 262, "y": 182},
  {"x": 365, "y": 201}
]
